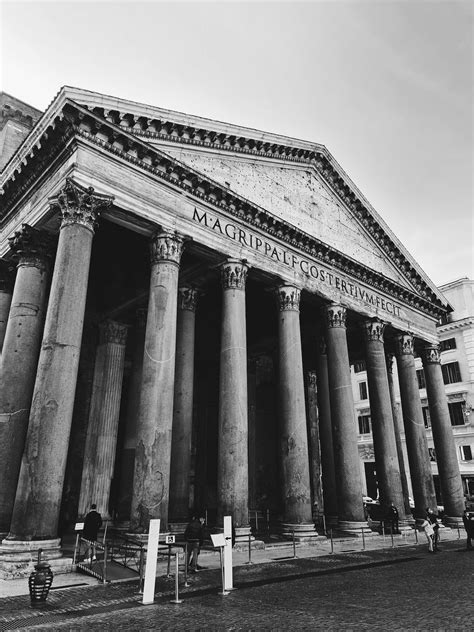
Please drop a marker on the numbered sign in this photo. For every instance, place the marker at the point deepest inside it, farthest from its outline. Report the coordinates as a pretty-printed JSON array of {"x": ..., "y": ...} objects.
[
  {"x": 79, "y": 526},
  {"x": 169, "y": 539}
]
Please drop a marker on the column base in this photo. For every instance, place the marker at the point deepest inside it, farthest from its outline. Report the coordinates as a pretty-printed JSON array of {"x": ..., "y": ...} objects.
[
  {"x": 301, "y": 532},
  {"x": 453, "y": 522},
  {"x": 18, "y": 557},
  {"x": 354, "y": 528},
  {"x": 331, "y": 522}
]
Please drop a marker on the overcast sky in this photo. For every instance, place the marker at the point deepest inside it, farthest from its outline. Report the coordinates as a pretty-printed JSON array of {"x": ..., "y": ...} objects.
[{"x": 386, "y": 86}]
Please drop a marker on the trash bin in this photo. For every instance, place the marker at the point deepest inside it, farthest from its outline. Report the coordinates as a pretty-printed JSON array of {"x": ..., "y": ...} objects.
[{"x": 40, "y": 582}]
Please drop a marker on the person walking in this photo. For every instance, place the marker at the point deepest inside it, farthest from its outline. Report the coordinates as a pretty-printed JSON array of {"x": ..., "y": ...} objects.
[
  {"x": 468, "y": 521},
  {"x": 92, "y": 524},
  {"x": 433, "y": 519},
  {"x": 429, "y": 531},
  {"x": 194, "y": 536}
]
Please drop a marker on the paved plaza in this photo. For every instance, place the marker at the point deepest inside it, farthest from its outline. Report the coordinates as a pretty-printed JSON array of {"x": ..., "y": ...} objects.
[{"x": 400, "y": 588}]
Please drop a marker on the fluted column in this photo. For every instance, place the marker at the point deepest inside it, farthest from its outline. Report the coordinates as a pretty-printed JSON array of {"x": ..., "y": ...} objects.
[
  {"x": 294, "y": 436},
  {"x": 398, "y": 427},
  {"x": 314, "y": 445},
  {"x": 383, "y": 432},
  {"x": 38, "y": 496},
  {"x": 446, "y": 458},
  {"x": 127, "y": 461},
  {"x": 32, "y": 250},
  {"x": 155, "y": 417},
  {"x": 232, "y": 460},
  {"x": 417, "y": 444},
  {"x": 101, "y": 440},
  {"x": 346, "y": 455},
  {"x": 6, "y": 290},
  {"x": 183, "y": 406},
  {"x": 325, "y": 437}
]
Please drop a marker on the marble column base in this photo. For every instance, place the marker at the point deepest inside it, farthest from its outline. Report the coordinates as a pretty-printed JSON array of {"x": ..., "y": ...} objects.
[
  {"x": 453, "y": 522},
  {"x": 18, "y": 557},
  {"x": 354, "y": 528},
  {"x": 302, "y": 532},
  {"x": 331, "y": 522}
]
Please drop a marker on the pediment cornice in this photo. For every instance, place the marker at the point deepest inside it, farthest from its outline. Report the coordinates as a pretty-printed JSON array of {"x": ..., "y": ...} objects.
[{"x": 74, "y": 122}]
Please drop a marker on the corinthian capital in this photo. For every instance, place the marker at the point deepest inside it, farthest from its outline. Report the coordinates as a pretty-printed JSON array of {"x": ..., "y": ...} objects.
[
  {"x": 373, "y": 330},
  {"x": 166, "y": 246},
  {"x": 80, "y": 205},
  {"x": 32, "y": 247},
  {"x": 112, "y": 331},
  {"x": 335, "y": 315},
  {"x": 431, "y": 354},
  {"x": 288, "y": 297},
  {"x": 233, "y": 274},
  {"x": 187, "y": 298},
  {"x": 404, "y": 344}
]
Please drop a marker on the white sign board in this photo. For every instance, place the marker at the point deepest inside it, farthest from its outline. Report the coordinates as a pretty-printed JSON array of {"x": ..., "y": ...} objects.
[
  {"x": 218, "y": 539},
  {"x": 151, "y": 557},
  {"x": 228, "y": 580},
  {"x": 79, "y": 526},
  {"x": 169, "y": 539}
]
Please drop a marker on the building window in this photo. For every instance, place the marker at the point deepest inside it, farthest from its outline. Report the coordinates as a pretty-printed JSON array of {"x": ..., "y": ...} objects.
[
  {"x": 451, "y": 372},
  {"x": 456, "y": 413},
  {"x": 359, "y": 366},
  {"x": 420, "y": 376},
  {"x": 364, "y": 424},
  {"x": 426, "y": 416},
  {"x": 432, "y": 453},
  {"x": 466, "y": 452},
  {"x": 363, "y": 390},
  {"x": 446, "y": 345}
]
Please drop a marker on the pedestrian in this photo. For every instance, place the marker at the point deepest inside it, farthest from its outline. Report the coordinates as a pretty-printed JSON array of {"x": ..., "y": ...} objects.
[
  {"x": 194, "y": 536},
  {"x": 392, "y": 515},
  {"x": 433, "y": 519},
  {"x": 92, "y": 524},
  {"x": 428, "y": 529},
  {"x": 468, "y": 520}
]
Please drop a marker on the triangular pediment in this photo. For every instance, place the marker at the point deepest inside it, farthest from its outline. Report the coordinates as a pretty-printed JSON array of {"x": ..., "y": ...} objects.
[{"x": 297, "y": 183}]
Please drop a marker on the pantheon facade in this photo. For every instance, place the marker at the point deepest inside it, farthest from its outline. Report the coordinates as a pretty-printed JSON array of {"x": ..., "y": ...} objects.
[{"x": 181, "y": 302}]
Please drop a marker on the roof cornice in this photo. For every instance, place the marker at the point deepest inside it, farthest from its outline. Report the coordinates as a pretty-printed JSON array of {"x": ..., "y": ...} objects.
[{"x": 52, "y": 133}]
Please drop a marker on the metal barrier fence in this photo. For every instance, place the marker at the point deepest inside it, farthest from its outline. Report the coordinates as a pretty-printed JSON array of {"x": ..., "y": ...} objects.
[{"x": 91, "y": 557}]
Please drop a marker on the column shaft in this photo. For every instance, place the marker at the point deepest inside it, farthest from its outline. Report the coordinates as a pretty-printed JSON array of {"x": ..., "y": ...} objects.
[
  {"x": 232, "y": 473},
  {"x": 325, "y": 437},
  {"x": 294, "y": 436},
  {"x": 180, "y": 475},
  {"x": 346, "y": 455},
  {"x": 446, "y": 458},
  {"x": 314, "y": 446},
  {"x": 20, "y": 357},
  {"x": 155, "y": 418},
  {"x": 417, "y": 445},
  {"x": 101, "y": 440},
  {"x": 6, "y": 291},
  {"x": 38, "y": 497},
  {"x": 385, "y": 447}
]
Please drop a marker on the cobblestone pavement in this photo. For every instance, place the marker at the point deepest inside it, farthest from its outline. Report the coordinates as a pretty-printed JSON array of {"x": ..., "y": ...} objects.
[{"x": 401, "y": 589}]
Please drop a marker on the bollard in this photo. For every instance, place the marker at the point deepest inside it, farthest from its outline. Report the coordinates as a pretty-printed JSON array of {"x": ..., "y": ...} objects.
[
  {"x": 383, "y": 532},
  {"x": 250, "y": 550},
  {"x": 223, "y": 591},
  {"x": 168, "y": 572},
  {"x": 256, "y": 521},
  {"x": 176, "y": 582},
  {"x": 294, "y": 545},
  {"x": 363, "y": 539},
  {"x": 459, "y": 534},
  {"x": 140, "y": 574},
  {"x": 324, "y": 526},
  {"x": 391, "y": 537},
  {"x": 416, "y": 535},
  {"x": 104, "y": 577},
  {"x": 332, "y": 543}
]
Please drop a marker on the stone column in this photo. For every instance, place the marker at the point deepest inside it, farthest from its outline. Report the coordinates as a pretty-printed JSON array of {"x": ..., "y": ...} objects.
[
  {"x": 155, "y": 417},
  {"x": 297, "y": 514},
  {"x": 127, "y": 461},
  {"x": 398, "y": 427},
  {"x": 38, "y": 496},
  {"x": 6, "y": 290},
  {"x": 101, "y": 440},
  {"x": 314, "y": 446},
  {"x": 417, "y": 445},
  {"x": 346, "y": 454},
  {"x": 180, "y": 475},
  {"x": 32, "y": 249},
  {"x": 232, "y": 459},
  {"x": 325, "y": 438},
  {"x": 446, "y": 458},
  {"x": 383, "y": 432}
]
